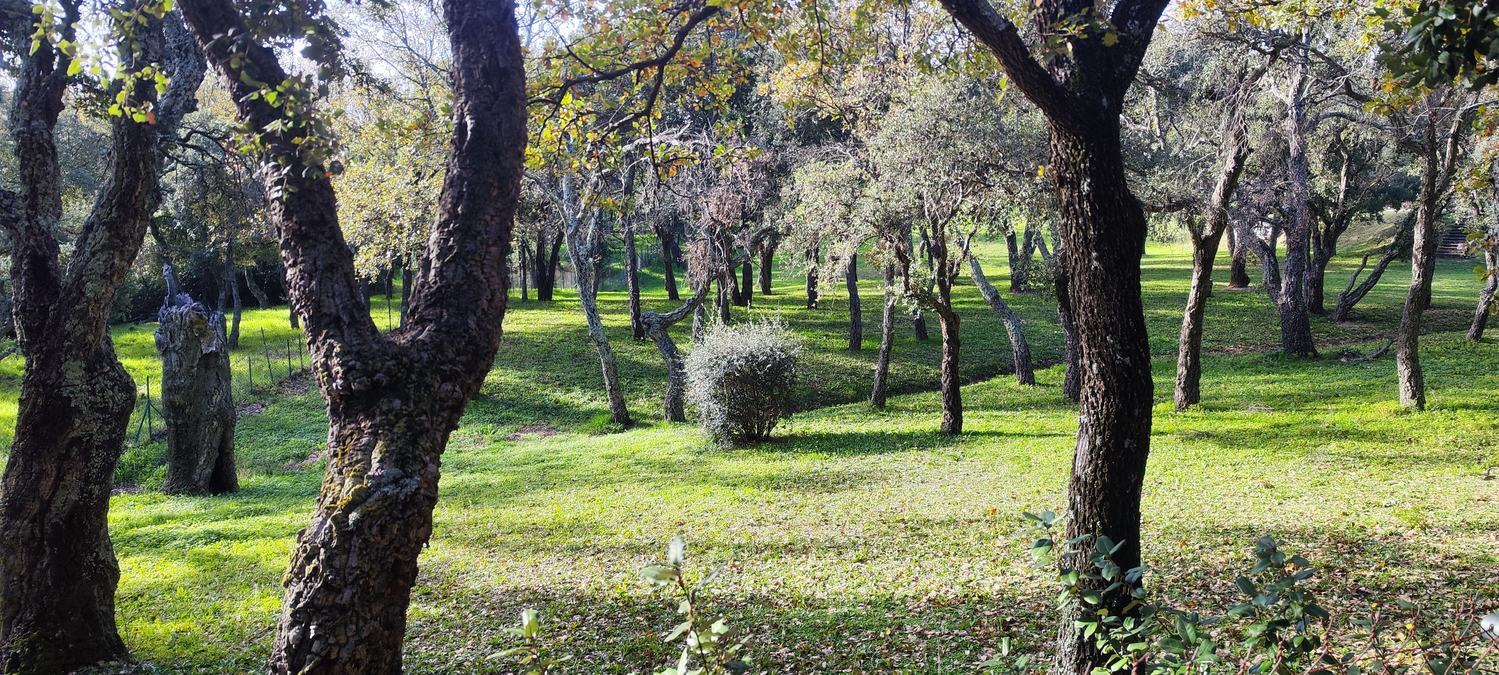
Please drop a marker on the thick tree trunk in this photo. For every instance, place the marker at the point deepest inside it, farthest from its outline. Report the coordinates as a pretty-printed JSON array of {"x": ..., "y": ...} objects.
[
  {"x": 1020, "y": 349},
  {"x": 1291, "y": 302},
  {"x": 197, "y": 402},
  {"x": 952, "y": 391},
  {"x": 632, "y": 281},
  {"x": 855, "y": 310},
  {"x": 392, "y": 399},
  {"x": 879, "y": 392},
  {"x": 918, "y": 326},
  {"x": 669, "y": 260},
  {"x": 1103, "y": 228},
  {"x": 1324, "y": 249},
  {"x": 1012, "y": 253},
  {"x": 1486, "y": 296}
]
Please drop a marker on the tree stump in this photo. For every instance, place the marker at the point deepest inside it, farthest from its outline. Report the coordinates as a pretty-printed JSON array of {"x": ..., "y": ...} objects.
[{"x": 196, "y": 398}]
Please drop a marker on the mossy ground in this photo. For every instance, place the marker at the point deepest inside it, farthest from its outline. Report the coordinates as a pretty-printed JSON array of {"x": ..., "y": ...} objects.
[{"x": 858, "y": 539}]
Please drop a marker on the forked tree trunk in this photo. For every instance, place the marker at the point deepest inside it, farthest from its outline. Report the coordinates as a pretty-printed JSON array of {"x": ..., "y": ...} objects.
[
  {"x": 197, "y": 402},
  {"x": 1205, "y": 240},
  {"x": 1020, "y": 349},
  {"x": 879, "y": 392},
  {"x": 392, "y": 399},
  {"x": 1439, "y": 158},
  {"x": 57, "y": 567},
  {"x": 1358, "y": 287},
  {"x": 855, "y": 310},
  {"x": 658, "y": 326}
]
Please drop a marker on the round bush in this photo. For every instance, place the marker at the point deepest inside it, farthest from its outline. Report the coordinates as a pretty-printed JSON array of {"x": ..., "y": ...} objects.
[{"x": 740, "y": 378}]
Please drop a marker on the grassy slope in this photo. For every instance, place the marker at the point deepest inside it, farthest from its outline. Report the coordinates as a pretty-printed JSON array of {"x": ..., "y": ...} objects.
[{"x": 862, "y": 538}]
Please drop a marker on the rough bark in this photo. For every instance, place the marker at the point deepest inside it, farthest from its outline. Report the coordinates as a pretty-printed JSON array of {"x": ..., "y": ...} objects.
[
  {"x": 1440, "y": 149},
  {"x": 1020, "y": 349},
  {"x": 1238, "y": 267},
  {"x": 855, "y": 310},
  {"x": 1012, "y": 253},
  {"x": 879, "y": 392},
  {"x": 393, "y": 398},
  {"x": 632, "y": 281},
  {"x": 746, "y": 283},
  {"x": 1486, "y": 296},
  {"x": 658, "y": 327},
  {"x": 952, "y": 389},
  {"x": 1205, "y": 240},
  {"x": 1291, "y": 301},
  {"x": 197, "y": 401},
  {"x": 583, "y": 248},
  {"x": 1072, "y": 376},
  {"x": 57, "y": 568}
]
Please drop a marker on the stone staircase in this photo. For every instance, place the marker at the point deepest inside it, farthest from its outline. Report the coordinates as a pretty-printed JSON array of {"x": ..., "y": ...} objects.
[{"x": 1453, "y": 244}]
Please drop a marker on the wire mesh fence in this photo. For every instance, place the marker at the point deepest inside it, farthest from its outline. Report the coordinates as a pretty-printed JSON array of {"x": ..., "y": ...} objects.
[{"x": 256, "y": 371}]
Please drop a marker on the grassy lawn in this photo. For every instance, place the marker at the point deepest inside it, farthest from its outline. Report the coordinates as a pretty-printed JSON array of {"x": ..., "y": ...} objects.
[{"x": 858, "y": 539}]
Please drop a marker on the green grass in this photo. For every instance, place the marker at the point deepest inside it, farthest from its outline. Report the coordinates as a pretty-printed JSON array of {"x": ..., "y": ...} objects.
[{"x": 859, "y": 539}]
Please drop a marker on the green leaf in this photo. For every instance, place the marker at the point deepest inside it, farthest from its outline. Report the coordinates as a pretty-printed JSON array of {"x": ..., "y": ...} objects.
[
  {"x": 74, "y": 67},
  {"x": 659, "y": 574}
]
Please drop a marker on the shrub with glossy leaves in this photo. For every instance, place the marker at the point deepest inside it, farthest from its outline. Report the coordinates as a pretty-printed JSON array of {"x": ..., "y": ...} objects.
[{"x": 740, "y": 378}]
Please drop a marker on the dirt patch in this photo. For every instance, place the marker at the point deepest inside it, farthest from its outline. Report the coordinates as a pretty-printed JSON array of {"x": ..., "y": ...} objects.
[
  {"x": 125, "y": 489},
  {"x": 310, "y": 460},
  {"x": 296, "y": 385},
  {"x": 250, "y": 409},
  {"x": 542, "y": 430}
]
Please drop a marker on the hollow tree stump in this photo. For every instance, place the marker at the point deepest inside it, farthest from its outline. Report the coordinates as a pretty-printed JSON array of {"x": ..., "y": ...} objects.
[{"x": 196, "y": 400}]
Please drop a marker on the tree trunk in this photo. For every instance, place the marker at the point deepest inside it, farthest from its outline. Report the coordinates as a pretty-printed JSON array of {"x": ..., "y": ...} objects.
[
  {"x": 1233, "y": 154},
  {"x": 1020, "y": 349},
  {"x": 658, "y": 326},
  {"x": 812, "y": 280},
  {"x": 586, "y": 269},
  {"x": 1072, "y": 377},
  {"x": 57, "y": 567},
  {"x": 523, "y": 267},
  {"x": 1485, "y": 297},
  {"x": 669, "y": 260},
  {"x": 632, "y": 281},
  {"x": 239, "y": 310},
  {"x": 879, "y": 392},
  {"x": 1012, "y": 252},
  {"x": 767, "y": 261},
  {"x": 261, "y": 300},
  {"x": 1439, "y": 158},
  {"x": 952, "y": 391},
  {"x": 197, "y": 401},
  {"x": 405, "y": 292},
  {"x": 1104, "y": 228},
  {"x": 746, "y": 283},
  {"x": 1238, "y": 270},
  {"x": 1189, "y": 346},
  {"x": 1291, "y": 301},
  {"x": 392, "y": 399},
  {"x": 855, "y": 310}
]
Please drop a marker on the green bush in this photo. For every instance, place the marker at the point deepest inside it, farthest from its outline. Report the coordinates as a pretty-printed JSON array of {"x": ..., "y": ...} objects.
[{"x": 741, "y": 377}]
